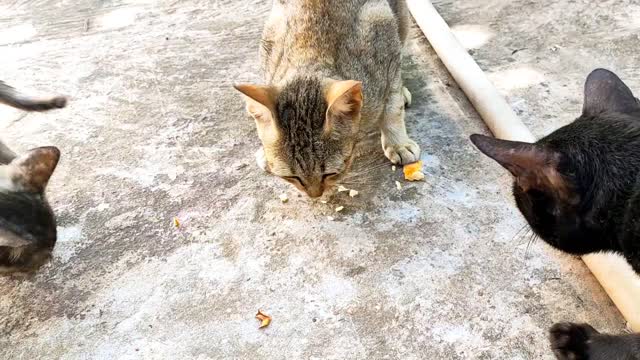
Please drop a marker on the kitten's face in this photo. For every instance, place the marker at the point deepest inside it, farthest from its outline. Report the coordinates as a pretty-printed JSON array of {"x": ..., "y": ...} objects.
[
  {"x": 559, "y": 179},
  {"x": 308, "y": 129},
  {"x": 27, "y": 223}
]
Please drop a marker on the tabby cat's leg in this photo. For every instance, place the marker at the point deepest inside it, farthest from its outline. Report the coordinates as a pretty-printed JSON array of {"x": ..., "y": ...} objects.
[
  {"x": 583, "y": 342},
  {"x": 397, "y": 145}
]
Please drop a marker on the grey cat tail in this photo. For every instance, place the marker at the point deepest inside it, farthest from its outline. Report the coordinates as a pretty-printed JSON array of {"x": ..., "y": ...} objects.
[{"x": 11, "y": 97}]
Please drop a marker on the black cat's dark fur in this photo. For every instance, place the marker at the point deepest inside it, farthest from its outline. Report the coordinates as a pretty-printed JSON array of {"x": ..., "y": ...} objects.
[
  {"x": 27, "y": 223},
  {"x": 579, "y": 190}
]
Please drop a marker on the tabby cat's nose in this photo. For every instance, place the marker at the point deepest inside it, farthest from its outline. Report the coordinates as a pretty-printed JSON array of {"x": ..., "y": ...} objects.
[{"x": 315, "y": 191}]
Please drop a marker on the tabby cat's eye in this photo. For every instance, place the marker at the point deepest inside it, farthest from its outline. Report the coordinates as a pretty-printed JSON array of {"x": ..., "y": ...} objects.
[
  {"x": 294, "y": 179},
  {"x": 329, "y": 176}
]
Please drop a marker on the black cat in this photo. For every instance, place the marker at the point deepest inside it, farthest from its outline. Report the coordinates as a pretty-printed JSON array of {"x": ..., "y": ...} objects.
[
  {"x": 579, "y": 190},
  {"x": 27, "y": 223}
]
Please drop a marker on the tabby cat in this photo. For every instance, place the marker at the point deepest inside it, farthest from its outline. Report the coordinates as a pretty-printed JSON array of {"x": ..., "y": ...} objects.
[
  {"x": 579, "y": 190},
  {"x": 27, "y": 223},
  {"x": 332, "y": 72}
]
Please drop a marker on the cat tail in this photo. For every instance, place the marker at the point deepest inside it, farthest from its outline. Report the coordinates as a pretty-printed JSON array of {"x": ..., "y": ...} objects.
[{"x": 12, "y": 97}]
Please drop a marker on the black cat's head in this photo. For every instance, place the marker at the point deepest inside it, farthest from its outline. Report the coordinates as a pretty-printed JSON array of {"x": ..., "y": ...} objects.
[
  {"x": 27, "y": 223},
  {"x": 562, "y": 178}
]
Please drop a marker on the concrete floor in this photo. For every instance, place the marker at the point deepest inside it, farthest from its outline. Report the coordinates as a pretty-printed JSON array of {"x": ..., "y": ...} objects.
[{"x": 437, "y": 270}]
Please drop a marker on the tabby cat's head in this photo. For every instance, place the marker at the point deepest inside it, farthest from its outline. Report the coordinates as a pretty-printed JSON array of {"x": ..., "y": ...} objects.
[
  {"x": 27, "y": 223},
  {"x": 308, "y": 129},
  {"x": 567, "y": 184}
]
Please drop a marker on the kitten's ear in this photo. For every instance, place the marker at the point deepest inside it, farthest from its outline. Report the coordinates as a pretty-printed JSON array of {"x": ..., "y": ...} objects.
[
  {"x": 261, "y": 101},
  {"x": 32, "y": 170},
  {"x": 345, "y": 102},
  {"x": 533, "y": 166},
  {"x": 604, "y": 91}
]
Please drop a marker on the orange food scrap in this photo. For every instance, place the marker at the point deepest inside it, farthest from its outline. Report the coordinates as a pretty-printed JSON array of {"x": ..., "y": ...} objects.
[
  {"x": 176, "y": 222},
  {"x": 413, "y": 172},
  {"x": 265, "y": 319}
]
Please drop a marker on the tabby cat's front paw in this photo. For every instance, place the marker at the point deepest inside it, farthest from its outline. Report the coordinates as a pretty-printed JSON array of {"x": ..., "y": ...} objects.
[
  {"x": 405, "y": 153},
  {"x": 571, "y": 341},
  {"x": 407, "y": 97}
]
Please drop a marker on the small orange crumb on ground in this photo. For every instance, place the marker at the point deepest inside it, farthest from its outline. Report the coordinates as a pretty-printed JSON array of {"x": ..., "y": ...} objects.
[
  {"x": 265, "y": 319},
  {"x": 413, "y": 172},
  {"x": 176, "y": 222}
]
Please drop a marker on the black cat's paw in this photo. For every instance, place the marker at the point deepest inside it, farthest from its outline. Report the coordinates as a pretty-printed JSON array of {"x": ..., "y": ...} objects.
[{"x": 570, "y": 341}]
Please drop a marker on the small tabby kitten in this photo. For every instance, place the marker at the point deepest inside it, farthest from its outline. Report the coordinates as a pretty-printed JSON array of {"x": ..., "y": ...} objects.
[
  {"x": 27, "y": 223},
  {"x": 332, "y": 72},
  {"x": 579, "y": 189}
]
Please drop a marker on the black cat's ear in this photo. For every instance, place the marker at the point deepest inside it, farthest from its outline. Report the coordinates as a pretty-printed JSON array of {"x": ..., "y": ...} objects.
[
  {"x": 533, "y": 166},
  {"x": 32, "y": 170},
  {"x": 605, "y": 92}
]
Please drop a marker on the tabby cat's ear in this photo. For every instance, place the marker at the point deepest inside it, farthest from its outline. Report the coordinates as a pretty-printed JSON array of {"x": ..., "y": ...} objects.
[
  {"x": 604, "y": 91},
  {"x": 261, "y": 101},
  {"x": 344, "y": 99},
  {"x": 32, "y": 170},
  {"x": 533, "y": 166}
]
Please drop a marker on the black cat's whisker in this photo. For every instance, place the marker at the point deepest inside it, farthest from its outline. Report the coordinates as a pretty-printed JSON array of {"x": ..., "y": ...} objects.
[
  {"x": 516, "y": 236},
  {"x": 526, "y": 237},
  {"x": 532, "y": 239}
]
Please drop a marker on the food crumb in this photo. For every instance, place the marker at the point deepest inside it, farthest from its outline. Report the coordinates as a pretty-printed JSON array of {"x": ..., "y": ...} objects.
[
  {"x": 265, "y": 319},
  {"x": 398, "y": 185},
  {"x": 176, "y": 222},
  {"x": 330, "y": 218},
  {"x": 323, "y": 201},
  {"x": 284, "y": 198},
  {"x": 342, "y": 188},
  {"x": 413, "y": 172},
  {"x": 353, "y": 193},
  {"x": 339, "y": 208},
  {"x": 393, "y": 168}
]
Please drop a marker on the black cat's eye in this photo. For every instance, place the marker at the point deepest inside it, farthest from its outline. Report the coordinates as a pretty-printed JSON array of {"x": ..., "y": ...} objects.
[{"x": 329, "y": 176}]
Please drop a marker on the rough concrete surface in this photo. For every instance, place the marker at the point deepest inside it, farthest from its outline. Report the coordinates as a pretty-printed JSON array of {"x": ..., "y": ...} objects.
[{"x": 436, "y": 270}]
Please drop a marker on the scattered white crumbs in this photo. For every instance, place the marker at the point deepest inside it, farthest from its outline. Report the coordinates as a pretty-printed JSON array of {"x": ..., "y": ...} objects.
[
  {"x": 393, "y": 168},
  {"x": 323, "y": 201},
  {"x": 339, "y": 208},
  {"x": 398, "y": 185},
  {"x": 284, "y": 198},
  {"x": 330, "y": 218},
  {"x": 342, "y": 188},
  {"x": 353, "y": 193}
]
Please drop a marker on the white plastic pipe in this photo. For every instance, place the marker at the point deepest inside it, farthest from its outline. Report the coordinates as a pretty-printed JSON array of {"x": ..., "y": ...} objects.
[{"x": 614, "y": 274}]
